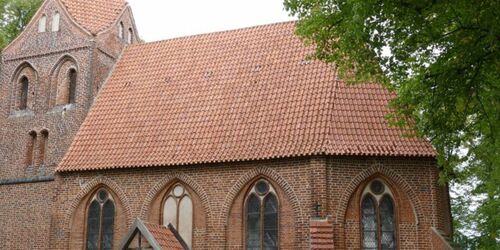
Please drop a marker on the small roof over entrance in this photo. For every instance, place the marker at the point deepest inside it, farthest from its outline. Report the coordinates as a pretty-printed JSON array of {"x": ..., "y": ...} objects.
[{"x": 143, "y": 236}]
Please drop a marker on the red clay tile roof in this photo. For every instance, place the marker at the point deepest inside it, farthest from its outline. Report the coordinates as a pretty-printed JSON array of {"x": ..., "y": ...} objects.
[
  {"x": 238, "y": 95},
  {"x": 94, "y": 15},
  {"x": 321, "y": 234},
  {"x": 164, "y": 236}
]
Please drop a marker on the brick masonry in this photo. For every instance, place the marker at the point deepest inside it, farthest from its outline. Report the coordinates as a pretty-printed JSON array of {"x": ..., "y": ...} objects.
[
  {"x": 27, "y": 191},
  {"x": 49, "y": 208}
]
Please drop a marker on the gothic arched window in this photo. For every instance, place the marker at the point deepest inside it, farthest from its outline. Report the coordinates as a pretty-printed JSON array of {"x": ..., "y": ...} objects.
[
  {"x": 178, "y": 211},
  {"x": 378, "y": 217},
  {"x": 25, "y": 84},
  {"x": 100, "y": 221},
  {"x": 261, "y": 217}
]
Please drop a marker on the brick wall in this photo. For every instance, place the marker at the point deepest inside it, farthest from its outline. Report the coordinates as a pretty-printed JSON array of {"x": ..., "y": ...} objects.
[
  {"x": 221, "y": 188},
  {"x": 25, "y": 214}
]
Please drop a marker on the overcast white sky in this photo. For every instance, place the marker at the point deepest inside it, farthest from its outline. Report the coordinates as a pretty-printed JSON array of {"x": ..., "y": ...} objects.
[{"x": 163, "y": 19}]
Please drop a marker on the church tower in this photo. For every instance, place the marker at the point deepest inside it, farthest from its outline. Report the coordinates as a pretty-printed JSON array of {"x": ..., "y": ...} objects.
[{"x": 49, "y": 77}]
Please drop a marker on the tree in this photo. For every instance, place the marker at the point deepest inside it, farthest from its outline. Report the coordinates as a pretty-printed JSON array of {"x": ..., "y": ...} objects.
[
  {"x": 15, "y": 15},
  {"x": 442, "y": 59}
]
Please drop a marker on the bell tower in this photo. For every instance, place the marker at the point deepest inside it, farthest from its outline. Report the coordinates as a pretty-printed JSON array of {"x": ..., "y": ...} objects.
[{"x": 49, "y": 77}]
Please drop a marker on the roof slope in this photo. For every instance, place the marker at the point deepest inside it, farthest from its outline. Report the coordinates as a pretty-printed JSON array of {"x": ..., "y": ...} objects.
[
  {"x": 94, "y": 15},
  {"x": 164, "y": 237},
  {"x": 230, "y": 96}
]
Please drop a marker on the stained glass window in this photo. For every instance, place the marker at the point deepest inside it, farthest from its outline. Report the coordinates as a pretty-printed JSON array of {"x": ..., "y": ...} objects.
[
  {"x": 100, "y": 222},
  {"x": 178, "y": 211},
  {"x": 262, "y": 217},
  {"x": 378, "y": 218}
]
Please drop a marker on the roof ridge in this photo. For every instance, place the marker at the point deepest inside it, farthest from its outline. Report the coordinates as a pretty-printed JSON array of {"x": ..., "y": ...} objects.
[{"x": 199, "y": 35}]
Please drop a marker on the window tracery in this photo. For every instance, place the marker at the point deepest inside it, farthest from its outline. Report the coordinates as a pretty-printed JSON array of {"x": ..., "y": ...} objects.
[
  {"x": 100, "y": 221},
  {"x": 378, "y": 222},
  {"x": 178, "y": 211},
  {"x": 261, "y": 217}
]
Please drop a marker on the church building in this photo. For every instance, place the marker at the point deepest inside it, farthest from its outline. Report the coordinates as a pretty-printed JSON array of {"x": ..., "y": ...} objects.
[{"x": 227, "y": 140}]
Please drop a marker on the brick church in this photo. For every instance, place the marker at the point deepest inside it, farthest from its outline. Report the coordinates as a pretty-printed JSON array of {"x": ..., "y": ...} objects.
[{"x": 227, "y": 140}]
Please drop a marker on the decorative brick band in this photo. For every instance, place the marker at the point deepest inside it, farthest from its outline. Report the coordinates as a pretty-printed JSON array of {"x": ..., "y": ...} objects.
[{"x": 26, "y": 180}]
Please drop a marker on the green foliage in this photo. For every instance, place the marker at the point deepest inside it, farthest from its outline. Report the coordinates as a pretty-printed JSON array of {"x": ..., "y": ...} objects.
[
  {"x": 442, "y": 58},
  {"x": 15, "y": 15}
]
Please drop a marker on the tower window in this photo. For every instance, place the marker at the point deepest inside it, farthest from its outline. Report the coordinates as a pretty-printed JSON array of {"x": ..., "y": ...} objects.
[
  {"x": 178, "y": 211},
  {"x": 55, "y": 22},
  {"x": 100, "y": 222},
  {"x": 42, "y": 24},
  {"x": 378, "y": 217},
  {"x": 130, "y": 36},
  {"x": 121, "y": 30},
  {"x": 42, "y": 146},
  {"x": 23, "y": 104},
  {"x": 30, "y": 149},
  {"x": 261, "y": 217},
  {"x": 72, "y": 77}
]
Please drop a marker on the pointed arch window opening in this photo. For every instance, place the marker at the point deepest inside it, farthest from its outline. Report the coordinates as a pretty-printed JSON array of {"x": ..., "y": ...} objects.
[
  {"x": 72, "y": 80},
  {"x": 30, "y": 150},
  {"x": 261, "y": 217},
  {"x": 378, "y": 218},
  {"x": 100, "y": 221},
  {"x": 42, "y": 148},
  {"x": 23, "y": 98},
  {"x": 178, "y": 211}
]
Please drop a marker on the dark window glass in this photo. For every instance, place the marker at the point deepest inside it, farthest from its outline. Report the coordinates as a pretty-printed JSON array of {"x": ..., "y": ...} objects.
[
  {"x": 253, "y": 222},
  {"x": 108, "y": 218},
  {"x": 93, "y": 225},
  {"x": 262, "y": 187},
  {"x": 377, "y": 187},
  {"x": 72, "y": 86},
  {"x": 270, "y": 236},
  {"x": 100, "y": 222},
  {"x": 24, "y": 93},
  {"x": 387, "y": 223},
  {"x": 369, "y": 222}
]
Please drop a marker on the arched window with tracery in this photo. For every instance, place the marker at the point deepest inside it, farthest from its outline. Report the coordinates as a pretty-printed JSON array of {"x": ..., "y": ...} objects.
[
  {"x": 100, "y": 221},
  {"x": 378, "y": 220},
  {"x": 178, "y": 211},
  {"x": 261, "y": 217}
]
